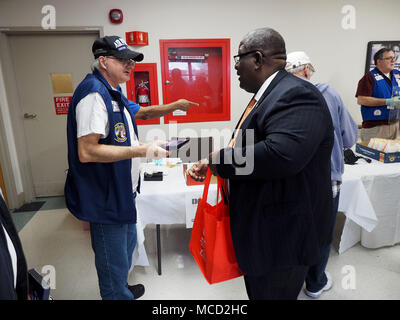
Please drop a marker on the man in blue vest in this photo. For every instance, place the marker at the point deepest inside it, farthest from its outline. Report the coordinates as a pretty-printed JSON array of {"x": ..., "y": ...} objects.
[
  {"x": 375, "y": 95},
  {"x": 104, "y": 156}
]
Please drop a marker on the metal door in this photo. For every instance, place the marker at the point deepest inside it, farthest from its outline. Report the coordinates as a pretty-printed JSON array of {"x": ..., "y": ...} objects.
[{"x": 35, "y": 58}]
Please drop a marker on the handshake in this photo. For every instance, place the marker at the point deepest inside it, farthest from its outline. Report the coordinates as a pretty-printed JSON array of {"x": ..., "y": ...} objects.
[{"x": 393, "y": 103}]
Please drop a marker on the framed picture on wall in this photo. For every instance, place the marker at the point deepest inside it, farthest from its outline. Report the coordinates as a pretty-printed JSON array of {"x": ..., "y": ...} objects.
[{"x": 374, "y": 46}]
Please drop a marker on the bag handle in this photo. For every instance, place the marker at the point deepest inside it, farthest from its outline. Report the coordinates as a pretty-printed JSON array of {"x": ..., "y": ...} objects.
[
  {"x": 206, "y": 185},
  {"x": 220, "y": 188}
]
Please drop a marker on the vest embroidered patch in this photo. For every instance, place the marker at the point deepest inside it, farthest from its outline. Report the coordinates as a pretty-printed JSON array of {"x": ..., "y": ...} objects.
[{"x": 120, "y": 132}]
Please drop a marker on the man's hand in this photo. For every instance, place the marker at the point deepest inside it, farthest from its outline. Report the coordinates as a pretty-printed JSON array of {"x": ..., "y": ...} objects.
[
  {"x": 199, "y": 170},
  {"x": 184, "y": 104},
  {"x": 154, "y": 151},
  {"x": 393, "y": 103}
]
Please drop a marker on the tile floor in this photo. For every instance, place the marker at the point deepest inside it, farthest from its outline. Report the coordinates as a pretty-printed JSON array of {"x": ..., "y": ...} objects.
[{"x": 52, "y": 236}]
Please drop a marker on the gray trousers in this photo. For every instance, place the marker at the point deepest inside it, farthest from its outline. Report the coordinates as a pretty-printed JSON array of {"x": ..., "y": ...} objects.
[{"x": 389, "y": 131}]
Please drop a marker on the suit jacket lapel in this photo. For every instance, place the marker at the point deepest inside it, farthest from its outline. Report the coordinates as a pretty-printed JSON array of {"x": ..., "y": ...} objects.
[
  {"x": 280, "y": 75},
  {"x": 240, "y": 119}
]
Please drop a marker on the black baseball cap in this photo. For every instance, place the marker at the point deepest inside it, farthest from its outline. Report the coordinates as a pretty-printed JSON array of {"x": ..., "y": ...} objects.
[{"x": 116, "y": 47}]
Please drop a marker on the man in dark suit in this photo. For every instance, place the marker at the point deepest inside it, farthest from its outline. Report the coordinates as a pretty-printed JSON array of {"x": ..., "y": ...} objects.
[
  {"x": 278, "y": 168},
  {"x": 13, "y": 268}
]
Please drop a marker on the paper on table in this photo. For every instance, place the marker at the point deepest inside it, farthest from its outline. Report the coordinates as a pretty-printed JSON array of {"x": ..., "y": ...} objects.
[{"x": 191, "y": 200}]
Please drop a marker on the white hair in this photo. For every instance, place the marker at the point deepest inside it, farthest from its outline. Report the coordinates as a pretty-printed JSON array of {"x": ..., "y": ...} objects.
[
  {"x": 95, "y": 65},
  {"x": 301, "y": 68},
  {"x": 298, "y": 69}
]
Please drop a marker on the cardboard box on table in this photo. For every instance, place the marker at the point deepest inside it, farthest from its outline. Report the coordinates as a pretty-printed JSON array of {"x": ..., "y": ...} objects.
[{"x": 362, "y": 148}]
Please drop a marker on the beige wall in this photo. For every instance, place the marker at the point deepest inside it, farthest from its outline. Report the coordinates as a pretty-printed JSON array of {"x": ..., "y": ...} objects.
[{"x": 310, "y": 25}]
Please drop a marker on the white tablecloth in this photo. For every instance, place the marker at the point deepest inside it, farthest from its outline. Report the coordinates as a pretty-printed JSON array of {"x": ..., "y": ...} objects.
[
  {"x": 369, "y": 198},
  {"x": 355, "y": 204},
  {"x": 169, "y": 201},
  {"x": 381, "y": 182}
]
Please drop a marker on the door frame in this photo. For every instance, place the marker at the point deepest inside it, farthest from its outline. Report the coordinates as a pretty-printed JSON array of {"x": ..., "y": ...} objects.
[{"x": 14, "y": 158}]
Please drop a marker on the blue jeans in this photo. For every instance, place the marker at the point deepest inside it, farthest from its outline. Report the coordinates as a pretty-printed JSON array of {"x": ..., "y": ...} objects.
[
  {"x": 113, "y": 246},
  {"x": 316, "y": 278}
]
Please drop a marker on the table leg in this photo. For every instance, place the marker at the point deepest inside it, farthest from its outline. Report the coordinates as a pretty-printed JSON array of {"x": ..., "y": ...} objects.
[{"x": 159, "y": 249}]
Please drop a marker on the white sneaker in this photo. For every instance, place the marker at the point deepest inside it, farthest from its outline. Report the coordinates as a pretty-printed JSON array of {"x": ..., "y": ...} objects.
[{"x": 316, "y": 295}]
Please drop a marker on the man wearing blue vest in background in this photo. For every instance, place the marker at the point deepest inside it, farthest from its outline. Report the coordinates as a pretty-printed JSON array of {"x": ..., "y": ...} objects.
[
  {"x": 104, "y": 156},
  {"x": 375, "y": 95}
]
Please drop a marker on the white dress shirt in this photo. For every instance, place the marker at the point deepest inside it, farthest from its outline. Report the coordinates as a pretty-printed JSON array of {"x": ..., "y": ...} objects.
[
  {"x": 11, "y": 250},
  {"x": 92, "y": 117},
  {"x": 264, "y": 87}
]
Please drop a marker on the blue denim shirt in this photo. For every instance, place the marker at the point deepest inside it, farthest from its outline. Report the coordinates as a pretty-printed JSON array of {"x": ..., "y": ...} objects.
[{"x": 345, "y": 128}]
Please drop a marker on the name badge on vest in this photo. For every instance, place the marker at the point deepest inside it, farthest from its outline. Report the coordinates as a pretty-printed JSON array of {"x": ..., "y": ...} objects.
[
  {"x": 115, "y": 106},
  {"x": 120, "y": 132},
  {"x": 378, "y": 77}
]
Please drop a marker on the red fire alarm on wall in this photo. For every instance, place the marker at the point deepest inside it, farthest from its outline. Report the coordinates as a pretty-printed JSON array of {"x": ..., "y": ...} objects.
[
  {"x": 116, "y": 15},
  {"x": 138, "y": 38}
]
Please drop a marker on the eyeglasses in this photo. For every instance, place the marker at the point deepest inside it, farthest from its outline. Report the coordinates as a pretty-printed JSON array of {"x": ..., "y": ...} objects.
[
  {"x": 238, "y": 56},
  {"x": 125, "y": 62},
  {"x": 389, "y": 58}
]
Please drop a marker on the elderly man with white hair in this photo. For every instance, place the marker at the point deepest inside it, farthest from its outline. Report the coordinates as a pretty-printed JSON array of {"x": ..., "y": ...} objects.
[
  {"x": 345, "y": 136},
  {"x": 104, "y": 156}
]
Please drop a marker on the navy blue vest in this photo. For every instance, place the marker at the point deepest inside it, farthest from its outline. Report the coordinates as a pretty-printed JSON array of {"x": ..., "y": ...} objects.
[
  {"x": 100, "y": 192},
  {"x": 382, "y": 89}
]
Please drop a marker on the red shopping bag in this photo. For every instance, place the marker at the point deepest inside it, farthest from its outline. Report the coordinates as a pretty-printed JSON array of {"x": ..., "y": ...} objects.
[{"x": 211, "y": 242}]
